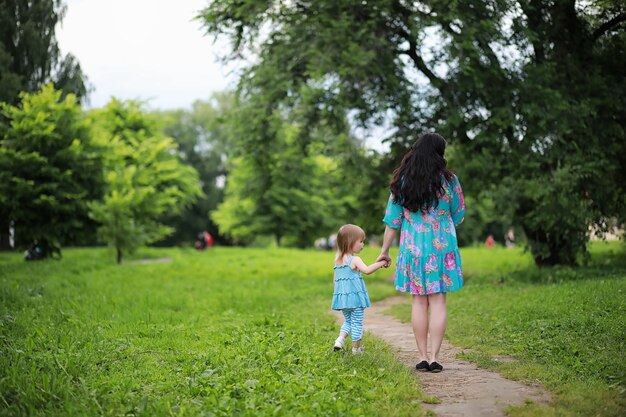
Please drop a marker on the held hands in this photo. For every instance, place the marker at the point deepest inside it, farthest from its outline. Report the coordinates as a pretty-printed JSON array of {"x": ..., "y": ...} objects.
[{"x": 386, "y": 258}]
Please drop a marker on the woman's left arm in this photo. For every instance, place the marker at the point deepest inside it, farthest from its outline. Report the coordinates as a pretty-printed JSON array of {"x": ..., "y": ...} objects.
[{"x": 457, "y": 209}]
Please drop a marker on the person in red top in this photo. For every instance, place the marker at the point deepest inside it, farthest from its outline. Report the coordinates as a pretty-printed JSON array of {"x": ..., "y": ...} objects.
[
  {"x": 208, "y": 239},
  {"x": 205, "y": 240}
]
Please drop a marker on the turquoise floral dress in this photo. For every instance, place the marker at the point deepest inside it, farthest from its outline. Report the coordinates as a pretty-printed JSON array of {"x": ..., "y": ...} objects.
[{"x": 429, "y": 261}]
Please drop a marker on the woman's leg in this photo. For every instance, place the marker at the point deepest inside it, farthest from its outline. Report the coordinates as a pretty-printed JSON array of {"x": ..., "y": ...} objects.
[
  {"x": 437, "y": 324},
  {"x": 419, "y": 319}
]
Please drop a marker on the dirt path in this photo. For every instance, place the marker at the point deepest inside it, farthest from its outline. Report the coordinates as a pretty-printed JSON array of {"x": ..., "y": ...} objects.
[{"x": 463, "y": 388}]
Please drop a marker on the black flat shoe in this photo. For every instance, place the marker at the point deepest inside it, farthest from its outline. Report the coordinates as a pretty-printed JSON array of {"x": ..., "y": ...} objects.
[
  {"x": 422, "y": 366},
  {"x": 435, "y": 367}
]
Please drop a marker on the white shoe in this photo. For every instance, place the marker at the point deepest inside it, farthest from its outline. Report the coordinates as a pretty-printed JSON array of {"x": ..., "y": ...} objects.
[
  {"x": 339, "y": 343},
  {"x": 358, "y": 351}
]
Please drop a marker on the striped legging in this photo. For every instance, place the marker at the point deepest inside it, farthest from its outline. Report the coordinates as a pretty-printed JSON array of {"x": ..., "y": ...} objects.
[{"x": 353, "y": 323}]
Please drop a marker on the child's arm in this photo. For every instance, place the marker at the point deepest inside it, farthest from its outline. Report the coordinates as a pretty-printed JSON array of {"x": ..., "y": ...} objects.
[{"x": 360, "y": 265}]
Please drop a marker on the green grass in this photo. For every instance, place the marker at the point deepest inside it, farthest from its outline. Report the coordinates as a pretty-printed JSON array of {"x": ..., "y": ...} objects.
[
  {"x": 566, "y": 327},
  {"x": 224, "y": 332},
  {"x": 245, "y": 332}
]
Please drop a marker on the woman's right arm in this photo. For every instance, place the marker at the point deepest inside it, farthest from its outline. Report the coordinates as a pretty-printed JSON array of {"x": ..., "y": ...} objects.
[
  {"x": 393, "y": 221},
  {"x": 388, "y": 238}
]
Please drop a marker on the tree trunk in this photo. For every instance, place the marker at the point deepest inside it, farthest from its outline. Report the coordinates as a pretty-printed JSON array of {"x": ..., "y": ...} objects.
[
  {"x": 5, "y": 243},
  {"x": 119, "y": 255}
]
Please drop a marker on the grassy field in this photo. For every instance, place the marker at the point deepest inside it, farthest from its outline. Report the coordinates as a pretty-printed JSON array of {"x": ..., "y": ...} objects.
[
  {"x": 225, "y": 332},
  {"x": 565, "y": 326},
  {"x": 245, "y": 332}
]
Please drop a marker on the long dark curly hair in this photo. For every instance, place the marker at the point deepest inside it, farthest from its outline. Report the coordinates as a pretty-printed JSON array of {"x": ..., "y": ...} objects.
[{"x": 419, "y": 180}]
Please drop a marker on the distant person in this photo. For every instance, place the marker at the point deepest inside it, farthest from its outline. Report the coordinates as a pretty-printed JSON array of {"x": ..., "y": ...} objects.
[
  {"x": 208, "y": 239},
  {"x": 332, "y": 241},
  {"x": 509, "y": 238},
  {"x": 490, "y": 242},
  {"x": 35, "y": 251},
  {"x": 426, "y": 205},
  {"x": 200, "y": 243},
  {"x": 321, "y": 243},
  {"x": 350, "y": 294},
  {"x": 205, "y": 240}
]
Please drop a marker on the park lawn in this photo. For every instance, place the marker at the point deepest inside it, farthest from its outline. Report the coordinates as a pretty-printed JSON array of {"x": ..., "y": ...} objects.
[
  {"x": 566, "y": 327},
  {"x": 224, "y": 332}
]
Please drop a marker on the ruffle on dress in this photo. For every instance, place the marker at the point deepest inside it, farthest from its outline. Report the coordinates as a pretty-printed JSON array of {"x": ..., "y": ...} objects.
[
  {"x": 429, "y": 274},
  {"x": 350, "y": 291}
]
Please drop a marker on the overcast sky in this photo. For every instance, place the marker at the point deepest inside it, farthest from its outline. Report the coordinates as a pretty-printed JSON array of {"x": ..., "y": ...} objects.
[
  {"x": 143, "y": 49},
  {"x": 151, "y": 50}
]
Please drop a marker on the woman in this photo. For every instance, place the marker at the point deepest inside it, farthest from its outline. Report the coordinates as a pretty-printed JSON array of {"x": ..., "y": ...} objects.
[{"x": 426, "y": 204}]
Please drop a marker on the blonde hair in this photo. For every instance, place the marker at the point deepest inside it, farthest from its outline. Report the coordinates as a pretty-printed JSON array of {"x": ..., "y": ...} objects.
[{"x": 347, "y": 236}]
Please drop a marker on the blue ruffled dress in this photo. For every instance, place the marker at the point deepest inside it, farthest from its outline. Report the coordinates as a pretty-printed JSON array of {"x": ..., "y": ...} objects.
[
  {"x": 429, "y": 261},
  {"x": 350, "y": 291}
]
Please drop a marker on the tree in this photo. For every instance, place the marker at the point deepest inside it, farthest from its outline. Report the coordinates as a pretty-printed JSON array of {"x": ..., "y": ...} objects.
[
  {"x": 144, "y": 178},
  {"x": 530, "y": 91},
  {"x": 203, "y": 135},
  {"x": 29, "y": 53},
  {"x": 30, "y": 58},
  {"x": 49, "y": 169},
  {"x": 297, "y": 199}
]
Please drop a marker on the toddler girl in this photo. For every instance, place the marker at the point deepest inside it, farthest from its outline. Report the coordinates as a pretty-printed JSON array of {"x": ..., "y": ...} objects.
[{"x": 350, "y": 295}]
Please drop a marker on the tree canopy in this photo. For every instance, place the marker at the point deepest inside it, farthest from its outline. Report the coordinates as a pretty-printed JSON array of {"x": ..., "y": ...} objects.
[
  {"x": 530, "y": 93},
  {"x": 29, "y": 52},
  {"x": 144, "y": 178},
  {"x": 50, "y": 169},
  {"x": 203, "y": 135},
  {"x": 297, "y": 199}
]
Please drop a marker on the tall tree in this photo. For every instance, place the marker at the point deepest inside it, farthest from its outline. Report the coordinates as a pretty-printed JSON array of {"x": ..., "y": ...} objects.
[
  {"x": 30, "y": 58},
  {"x": 203, "y": 135},
  {"x": 299, "y": 198},
  {"x": 144, "y": 178},
  {"x": 531, "y": 91},
  {"x": 29, "y": 52},
  {"x": 49, "y": 169}
]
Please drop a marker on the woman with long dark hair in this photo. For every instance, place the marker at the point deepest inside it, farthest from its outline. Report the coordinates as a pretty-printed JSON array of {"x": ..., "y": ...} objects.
[{"x": 426, "y": 204}]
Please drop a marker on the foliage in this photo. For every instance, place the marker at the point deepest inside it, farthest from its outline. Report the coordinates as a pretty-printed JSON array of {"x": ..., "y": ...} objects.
[
  {"x": 490, "y": 215},
  {"x": 531, "y": 91},
  {"x": 491, "y": 211},
  {"x": 203, "y": 136},
  {"x": 50, "y": 169},
  {"x": 29, "y": 53},
  {"x": 297, "y": 132},
  {"x": 369, "y": 177},
  {"x": 510, "y": 307},
  {"x": 297, "y": 197},
  {"x": 229, "y": 332},
  {"x": 144, "y": 178},
  {"x": 30, "y": 58}
]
